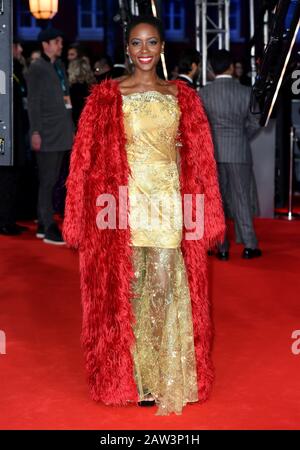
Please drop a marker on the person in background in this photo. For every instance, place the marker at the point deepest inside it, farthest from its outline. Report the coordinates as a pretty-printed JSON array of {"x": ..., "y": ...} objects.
[
  {"x": 238, "y": 70},
  {"x": 75, "y": 51},
  {"x": 10, "y": 175},
  {"x": 227, "y": 106},
  {"x": 102, "y": 68},
  {"x": 51, "y": 126},
  {"x": 119, "y": 70},
  {"x": 240, "y": 75},
  {"x": 35, "y": 55},
  {"x": 189, "y": 67},
  {"x": 105, "y": 69},
  {"x": 81, "y": 77}
]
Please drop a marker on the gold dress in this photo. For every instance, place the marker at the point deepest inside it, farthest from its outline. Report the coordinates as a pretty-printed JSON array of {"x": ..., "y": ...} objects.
[{"x": 164, "y": 354}]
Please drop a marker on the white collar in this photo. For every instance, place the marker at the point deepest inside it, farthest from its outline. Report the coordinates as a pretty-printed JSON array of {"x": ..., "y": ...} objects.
[
  {"x": 182, "y": 75},
  {"x": 224, "y": 76}
]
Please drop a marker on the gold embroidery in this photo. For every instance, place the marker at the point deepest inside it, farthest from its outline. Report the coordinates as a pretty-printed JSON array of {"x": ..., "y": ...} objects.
[{"x": 151, "y": 122}]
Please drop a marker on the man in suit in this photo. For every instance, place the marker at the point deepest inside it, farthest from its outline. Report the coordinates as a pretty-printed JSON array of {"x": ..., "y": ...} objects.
[
  {"x": 51, "y": 126},
  {"x": 189, "y": 67},
  {"x": 227, "y": 105}
]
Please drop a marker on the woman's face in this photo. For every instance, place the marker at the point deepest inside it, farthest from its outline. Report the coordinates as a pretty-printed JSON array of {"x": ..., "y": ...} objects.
[
  {"x": 35, "y": 56},
  {"x": 72, "y": 54},
  {"x": 145, "y": 46}
]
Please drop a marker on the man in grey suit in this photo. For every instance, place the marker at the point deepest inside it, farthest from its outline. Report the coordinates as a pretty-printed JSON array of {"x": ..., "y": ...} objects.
[
  {"x": 227, "y": 105},
  {"x": 51, "y": 126}
]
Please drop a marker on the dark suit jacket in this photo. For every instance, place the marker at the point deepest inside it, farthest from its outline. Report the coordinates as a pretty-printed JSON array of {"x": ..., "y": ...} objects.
[
  {"x": 46, "y": 107},
  {"x": 182, "y": 78},
  {"x": 226, "y": 103}
]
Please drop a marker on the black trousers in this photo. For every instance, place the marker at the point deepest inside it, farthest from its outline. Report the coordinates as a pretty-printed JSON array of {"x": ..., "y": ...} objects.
[
  {"x": 49, "y": 165},
  {"x": 8, "y": 194}
]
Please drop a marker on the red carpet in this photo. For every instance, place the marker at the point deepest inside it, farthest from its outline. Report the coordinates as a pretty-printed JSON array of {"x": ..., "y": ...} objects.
[{"x": 256, "y": 309}]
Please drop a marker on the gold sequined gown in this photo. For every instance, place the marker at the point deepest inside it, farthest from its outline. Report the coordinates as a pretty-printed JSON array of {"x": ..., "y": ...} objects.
[{"x": 164, "y": 354}]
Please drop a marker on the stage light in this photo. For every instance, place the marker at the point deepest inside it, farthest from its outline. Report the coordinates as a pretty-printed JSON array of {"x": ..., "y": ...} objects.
[{"x": 43, "y": 9}]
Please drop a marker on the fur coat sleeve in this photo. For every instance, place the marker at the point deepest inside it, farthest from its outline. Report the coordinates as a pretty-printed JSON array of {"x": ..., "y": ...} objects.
[{"x": 74, "y": 220}]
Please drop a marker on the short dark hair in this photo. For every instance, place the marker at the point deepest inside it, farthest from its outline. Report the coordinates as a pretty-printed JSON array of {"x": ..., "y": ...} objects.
[
  {"x": 105, "y": 59},
  {"x": 220, "y": 61},
  {"x": 150, "y": 20},
  {"x": 187, "y": 58}
]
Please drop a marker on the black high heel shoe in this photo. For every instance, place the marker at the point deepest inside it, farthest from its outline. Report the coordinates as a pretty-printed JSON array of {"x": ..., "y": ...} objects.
[{"x": 146, "y": 403}]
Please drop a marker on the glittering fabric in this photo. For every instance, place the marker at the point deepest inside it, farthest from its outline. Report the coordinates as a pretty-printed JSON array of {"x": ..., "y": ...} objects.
[
  {"x": 164, "y": 354},
  {"x": 151, "y": 122}
]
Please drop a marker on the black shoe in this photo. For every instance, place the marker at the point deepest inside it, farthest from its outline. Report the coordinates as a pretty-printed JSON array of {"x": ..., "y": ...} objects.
[
  {"x": 223, "y": 256},
  {"x": 40, "y": 232},
  {"x": 146, "y": 403},
  {"x": 10, "y": 230},
  {"x": 250, "y": 253},
  {"x": 54, "y": 236}
]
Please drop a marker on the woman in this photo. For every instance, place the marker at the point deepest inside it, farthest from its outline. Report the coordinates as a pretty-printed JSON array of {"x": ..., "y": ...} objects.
[
  {"x": 75, "y": 51},
  {"x": 146, "y": 327},
  {"x": 103, "y": 68},
  {"x": 80, "y": 78}
]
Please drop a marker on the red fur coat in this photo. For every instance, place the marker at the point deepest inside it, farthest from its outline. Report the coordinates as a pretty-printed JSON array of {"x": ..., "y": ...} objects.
[{"x": 99, "y": 165}]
